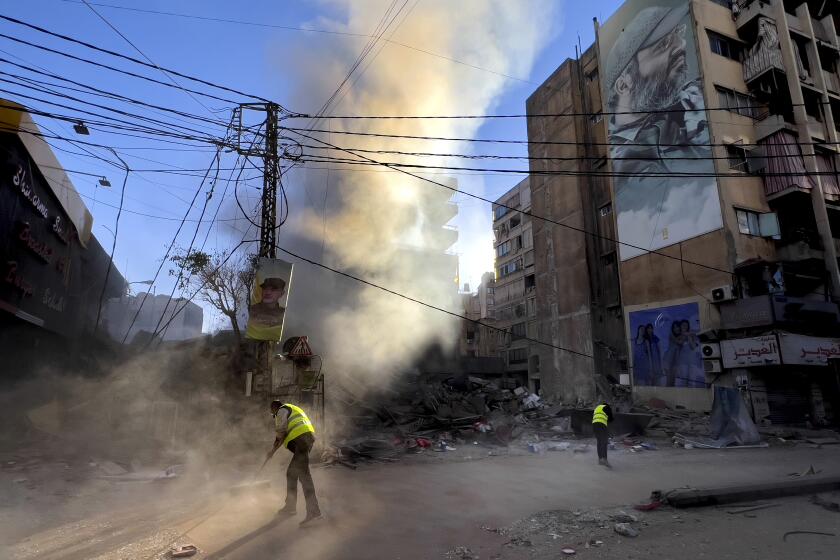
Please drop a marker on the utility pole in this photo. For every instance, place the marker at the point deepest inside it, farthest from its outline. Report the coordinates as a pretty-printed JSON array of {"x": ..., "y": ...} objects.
[{"x": 268, "y": 221}]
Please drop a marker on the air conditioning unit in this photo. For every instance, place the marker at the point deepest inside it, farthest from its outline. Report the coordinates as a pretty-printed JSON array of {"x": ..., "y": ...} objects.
[
  {"x": 712, "y": 366},
  {"x": 723, "y": 293},
  {"x": 710, "y": 350}
]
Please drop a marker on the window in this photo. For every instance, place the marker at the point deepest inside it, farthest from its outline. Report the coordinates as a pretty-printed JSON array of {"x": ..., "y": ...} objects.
[
  {"x": 599, "y": 163},
  {"x": 503, "y": 249},
  {"x": 605, "y": 210},
  {"x": 530, "y": 282},
  {"x": 736, "y": 102},
  {"x": 499, "y": 211},
  {"x": 724, "y": 46},
  {"x": 737, "y": 158},
  {"x": 763, "y": 224},
  {"x": 517, "y": 331},
  {"x": 470, "y": 337},
  {"x": 748, "y": 222},
  {"x": 518, "y": 356},
  {"x": 515, "y": 221},
  {"x": 596, "y": 117},
  {"x": 608, "y": 259},
  {"x": 532, "y": 307},
  {"x": 592, "y": 76},
  {"x": 510, "y": 268}
]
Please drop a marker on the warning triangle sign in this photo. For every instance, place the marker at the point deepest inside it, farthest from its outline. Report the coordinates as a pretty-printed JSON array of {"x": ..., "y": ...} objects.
[{"x": 301, "y": 348}]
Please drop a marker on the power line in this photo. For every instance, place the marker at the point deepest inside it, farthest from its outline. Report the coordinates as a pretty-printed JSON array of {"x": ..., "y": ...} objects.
[
  {"x": 310, "y": 30},
  {"x": 543, "y": 142},
  {"x": 108, "y": 67},
  {"x": 152, "y": 62},
  {"x": 134, "y": 60},
  {"x": 429, "y": 305}
]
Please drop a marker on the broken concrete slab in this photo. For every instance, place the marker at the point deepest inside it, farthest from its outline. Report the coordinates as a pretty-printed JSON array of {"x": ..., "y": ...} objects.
[{"x": 752, "y": 492}]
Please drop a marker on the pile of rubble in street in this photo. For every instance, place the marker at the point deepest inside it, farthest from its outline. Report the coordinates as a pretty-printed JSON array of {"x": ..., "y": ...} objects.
[{"x": 420, "y": 414}]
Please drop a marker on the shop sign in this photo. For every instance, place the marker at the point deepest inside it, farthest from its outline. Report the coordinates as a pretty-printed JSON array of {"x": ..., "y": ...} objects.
[
  {"x": 750, "y": 352},
  {"x": 808, "y": 350}
]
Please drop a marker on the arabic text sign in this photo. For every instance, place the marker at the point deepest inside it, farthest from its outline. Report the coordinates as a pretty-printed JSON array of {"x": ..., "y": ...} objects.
[
  {"x": 758, "y": 351},
  {"x": 808, "y": 350}
]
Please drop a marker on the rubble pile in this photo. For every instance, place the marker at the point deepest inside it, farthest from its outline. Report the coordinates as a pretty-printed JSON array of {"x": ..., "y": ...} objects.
[
  {"x": 668, "y": 422},
  {"x": 421, "y": 414}
]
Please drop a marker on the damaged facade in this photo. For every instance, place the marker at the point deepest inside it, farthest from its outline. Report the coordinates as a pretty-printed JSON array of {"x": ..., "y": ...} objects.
[{"x": 723, "y": 197}]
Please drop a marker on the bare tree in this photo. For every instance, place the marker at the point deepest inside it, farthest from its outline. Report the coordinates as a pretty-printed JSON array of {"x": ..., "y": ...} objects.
[{"x": 219, "y": 279}]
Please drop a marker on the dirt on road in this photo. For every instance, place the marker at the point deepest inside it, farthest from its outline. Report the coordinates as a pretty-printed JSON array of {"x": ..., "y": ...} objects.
[{"x": 487, "y": 508}]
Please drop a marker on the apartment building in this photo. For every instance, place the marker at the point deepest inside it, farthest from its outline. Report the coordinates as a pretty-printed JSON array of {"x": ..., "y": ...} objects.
[
  {"x": 514, "y": 303},
  {"x": 478, "y": 337},
  {"x": 707, "y": 132}
]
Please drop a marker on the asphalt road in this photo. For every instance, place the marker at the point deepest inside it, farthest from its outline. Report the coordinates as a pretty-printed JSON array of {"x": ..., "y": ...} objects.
[{"x": 415, "y": 511}]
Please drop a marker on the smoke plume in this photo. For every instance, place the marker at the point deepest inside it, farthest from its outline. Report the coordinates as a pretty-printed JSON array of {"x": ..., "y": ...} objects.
[{"x": 383, "y": 225}]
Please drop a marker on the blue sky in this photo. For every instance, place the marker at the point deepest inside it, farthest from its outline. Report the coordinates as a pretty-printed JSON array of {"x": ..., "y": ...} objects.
[{"x": 250, "y": 59}]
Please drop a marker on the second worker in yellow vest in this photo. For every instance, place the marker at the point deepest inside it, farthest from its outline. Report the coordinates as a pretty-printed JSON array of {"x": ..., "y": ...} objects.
[
  {"x": 295, "y": 432},
  {"x": 601, "y": 417}
]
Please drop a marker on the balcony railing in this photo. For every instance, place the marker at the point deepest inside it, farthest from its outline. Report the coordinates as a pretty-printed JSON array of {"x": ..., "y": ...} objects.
[{"x": 759, "y": 61}]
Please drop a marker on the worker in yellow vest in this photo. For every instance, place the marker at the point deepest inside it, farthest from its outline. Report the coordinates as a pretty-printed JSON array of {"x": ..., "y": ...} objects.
[
  {"x": 295, "y": 432},
  {"x": 601, "y": 418}
]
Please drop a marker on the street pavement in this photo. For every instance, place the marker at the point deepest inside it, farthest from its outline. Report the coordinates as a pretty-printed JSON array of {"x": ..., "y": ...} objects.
[{"x": 412, "y": 510}]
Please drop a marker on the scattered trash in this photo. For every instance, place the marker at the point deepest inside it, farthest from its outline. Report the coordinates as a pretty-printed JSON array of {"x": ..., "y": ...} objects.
[
  {"x": 625, "y": 530},
  {"x": 568, "y": 551},
  {"x": 650, "y": 506},
  {"x": 558, "y": 445},
  {"x": 536, "y": 448},
  {"x": 807, "y": 472},
  {"x": 184, "y": 551},
  {"x": 786, "y": 535}
]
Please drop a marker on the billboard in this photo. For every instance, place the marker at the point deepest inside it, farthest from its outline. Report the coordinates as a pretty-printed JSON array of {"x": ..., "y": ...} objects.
[
  {"x": 269, "y": 296},
  {"x": 657, "y": 126},
  {"x": 666, "y": 349}
]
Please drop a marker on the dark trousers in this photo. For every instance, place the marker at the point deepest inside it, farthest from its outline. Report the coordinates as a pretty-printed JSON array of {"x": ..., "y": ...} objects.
[
  {"x": 602, "y": 435},
  {"x": 299, "y": 470}
]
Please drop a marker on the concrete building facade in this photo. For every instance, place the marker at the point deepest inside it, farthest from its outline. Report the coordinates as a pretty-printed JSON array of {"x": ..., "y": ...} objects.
[
  {"x": 722, "y": 193},
  {"x": 121, "y": 325},
  {"x": 479, "y": 339},
  {"x": 514, "y": 297}
]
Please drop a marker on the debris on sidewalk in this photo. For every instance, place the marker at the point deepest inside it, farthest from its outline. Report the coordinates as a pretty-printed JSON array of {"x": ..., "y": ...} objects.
[
  {"x": 625, "y": 530},
  {"x": 184, "y": 551},
  {"x": 820, "y": 533},
  {"x": 461, "y": 553}
]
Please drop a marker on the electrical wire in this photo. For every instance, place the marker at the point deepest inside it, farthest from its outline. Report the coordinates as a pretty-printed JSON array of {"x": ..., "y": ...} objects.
[
  {"x": 152, "y": 62},
  {"x": 136, "y": 61},
  {"x": 529, "y": 213}
]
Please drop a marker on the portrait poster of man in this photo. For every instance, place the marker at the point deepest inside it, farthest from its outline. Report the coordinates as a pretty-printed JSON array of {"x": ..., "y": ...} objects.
[
  {"x": 657, "y": 126},
  {"x": 269, "y": 296},
  {"x": 666, "y": 348}
]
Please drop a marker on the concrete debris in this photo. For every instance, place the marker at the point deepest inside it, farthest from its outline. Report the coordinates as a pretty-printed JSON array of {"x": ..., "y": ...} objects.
[
  {"x": 461, "y": 553},
  {"x": 625, "y": 530},
  {"x": 622, "y": 517},
  {"x": 184, "y": 551},
  {"x": 807, "y": 472}
]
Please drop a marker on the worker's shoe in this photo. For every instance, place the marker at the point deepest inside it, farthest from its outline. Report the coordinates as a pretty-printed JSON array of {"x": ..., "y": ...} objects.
[
  {"x": 311, "y": 520},
  {"x": 287, "y": 512}
]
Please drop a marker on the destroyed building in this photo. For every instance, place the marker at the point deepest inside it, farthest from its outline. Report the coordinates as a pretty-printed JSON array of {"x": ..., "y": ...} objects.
[{"x": 716, "y": 174}]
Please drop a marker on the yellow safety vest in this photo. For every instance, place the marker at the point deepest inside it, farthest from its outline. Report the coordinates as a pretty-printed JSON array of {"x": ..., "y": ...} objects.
[
  {"x": 297, "y": 425},
  {"x": 599, "y": 416}
]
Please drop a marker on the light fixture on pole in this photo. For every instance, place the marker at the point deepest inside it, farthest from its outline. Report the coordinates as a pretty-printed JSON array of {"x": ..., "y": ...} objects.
[{"x": 80, "y": 128}]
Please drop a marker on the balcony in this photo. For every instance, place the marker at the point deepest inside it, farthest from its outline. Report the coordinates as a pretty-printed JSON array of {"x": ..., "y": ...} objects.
[
  {"x": 759, "y": 62},
  {"x": 765, "y": 310},
  {"x": 748, "y": 10}
]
